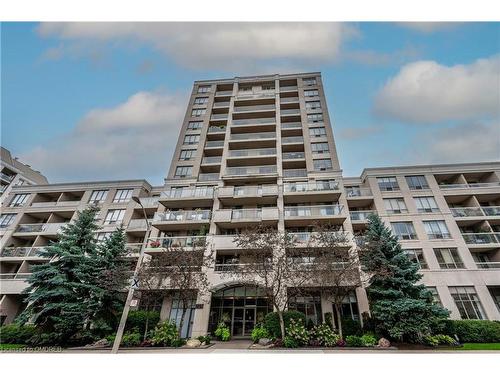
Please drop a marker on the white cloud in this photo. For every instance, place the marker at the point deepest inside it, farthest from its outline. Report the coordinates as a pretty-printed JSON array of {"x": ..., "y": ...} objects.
[
  {"x": 427, "y": 92},
  {"x": 217, "y": 45},
  {"x": 428, "y": 27},
  {"x": 354, "y": 133},
  {"x": 131, "y": 140}
]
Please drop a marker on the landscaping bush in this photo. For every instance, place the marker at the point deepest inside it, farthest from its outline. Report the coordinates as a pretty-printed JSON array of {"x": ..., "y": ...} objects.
[
  {"x": 290, "y": 342},
  {"x": 165, "y": 333},
  {"x": 222, "y": 332},
  {"x": 368, "y": 340},
  {"x": 178, "y": 342},
  {"x": 137, "y": 320},
  {"x": 439, "y": 340},
  {"x": 259, "y": 332},
  {"x": 476, "y": 330},
  {"x": 17, "y": 334},
  {"x": 272, "y": 321},
  {"x": 130, "y": 339},
  {"x": 325, "y": 335},
  {"x": 341, "y": 343},
  {"x": 298, "y": 332},
  {"x": 351, "y": 327},
  {"x": 354, "y": 341},
  {"x": 205, "y": 339}
]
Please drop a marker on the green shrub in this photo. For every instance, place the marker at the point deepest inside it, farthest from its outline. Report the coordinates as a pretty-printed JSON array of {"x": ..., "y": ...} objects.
[
  {"x": 290, "y": 342},
  {"x": 222, "y": 332},
  {"x": 272, "y": 321},
  {"x": 259, "y": 332},
  {"x": 17, "y": 334},
  {"x": 298, "y": 332},
  {"x": 368, "y": 340},
  {"x": 351, "y": 327},
  {"x": 131, "y": 339},
  {"x": 178, "y": 342},
  {"x": 137, "y": 320},
  {"x": 165, "y": 333},
  {"x": 325, "y": 335},
  {"x": 329, "y": 319},
  {"x": 476, "y": 330},
  {"x": 204, "y": 339},
  {"x": 354, "y": 341},
  {"x": 439, "y": 340}
]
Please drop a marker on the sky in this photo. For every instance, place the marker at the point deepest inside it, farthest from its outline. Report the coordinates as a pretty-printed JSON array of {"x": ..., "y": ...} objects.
[{"x": 103, "y": 101}]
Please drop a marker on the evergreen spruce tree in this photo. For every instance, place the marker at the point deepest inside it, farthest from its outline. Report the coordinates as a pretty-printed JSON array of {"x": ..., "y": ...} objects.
[{"x": 400, "y": 308}]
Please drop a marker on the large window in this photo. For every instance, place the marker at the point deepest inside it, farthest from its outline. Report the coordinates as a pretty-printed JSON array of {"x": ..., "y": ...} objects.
[
  {"x": 319, "y": 148},
  {"x": 195, "y": 125},
  {"x": 123, "y": 195},
  {"x": 203, "y": 89},
  {"x": 191, "y": 139},
  {"x": 322, "y": 165},
  {"x": 309, "y": 81},
  {"x": 395, "y": 206},
  {"x": 98, "y": 196},
  {"x": 184, "y": 171},
  {"x": 315, "y": 118},
  {"x": 387, "y": 183},
  {"x": 187, "y": 154},
  {"x": 176, "y": 315},
  {"x": 435, "y": 295},
  {"x": 448, "y": 258},
  {"x": 349, "y": 308},
  {"x": 317, "y": 132},
  {"x": 417, "y": 182},
  {"x": 198, "y": 112},
  {"x": 201, "y": 100},
  {"x": 6, "y": 220},
  {"x": 114, "y": 216},
  {"x": 467, "y": 302},
  {"x": 19, "y": 200},
  {"x": 436, "y": 229},
  {"x": 417, "y": 256},
  {"x": 404, "y": 230},
  {"x": 310, "y": 93},
  {"x": 309, "y": 305},
  {"x": 426, "y": 204},
  {"x": 313, "y": 105}
]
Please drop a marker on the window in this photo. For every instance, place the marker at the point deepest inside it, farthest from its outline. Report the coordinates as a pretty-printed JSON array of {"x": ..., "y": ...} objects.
[
  {"x": 19, "y": 200},
  {"x": 6, "y": 220},
  {"x": 317, "y": 132},
  {"x": 417, "y": 182},
  {"x": 98, "y": 196},
  {"x": 404, "y": 230},
  {"x": 309, "y": 81},
  {"x": 201, "y": 100},
  {"x": 467, "y": 302},
  {"x": 198, "y": 112},
  {"x": 195, "y": 125},
  {"x": 267, "y": 87},
  {"x": 315, "y": 117},
  {"x": 436, "y": 229},
  {"x": 309, "y": 305},
  {"x": 426, "y": 204},
  {"x": 184, "y": 171},
  {"x": 123, "y": 195},
  {"x": 387, "y": 183},
  {"x": 177, "y": 310},
  {"x": 319, "y": 148},
  {"x": 114, "y": 216},
  {"x": 417, "y": 256},
  {"x": 322, "y": 165},
  {"x": 395, "y": 206},
  {"x": 309, "y": 93},
  {"x": 448, "y": 258},
  {"x": 101, "y": 236},
  {"x": 191, "y": 139},
  {"x": 187, "y": 154},
  {"x": 313, "y": 105},
  {"x": 435, "y": 295},
  {"x": 203, "y": 89}
]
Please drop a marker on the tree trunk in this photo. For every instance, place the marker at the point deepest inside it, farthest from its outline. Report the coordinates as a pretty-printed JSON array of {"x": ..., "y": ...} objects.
[
  {"x": 147, "y": 322},
  {"x": 181, "y": 324},
  {"x": 282, "y": 324},
  {"x": 339, "y": 320}
]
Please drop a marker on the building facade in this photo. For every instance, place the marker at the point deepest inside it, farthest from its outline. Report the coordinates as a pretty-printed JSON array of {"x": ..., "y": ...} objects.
[{"x": 260, "y": 150}]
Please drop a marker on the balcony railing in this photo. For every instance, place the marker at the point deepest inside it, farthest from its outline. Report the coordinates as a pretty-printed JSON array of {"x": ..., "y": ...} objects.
[
  {"x": 358, "y": 192},
  {"x": 246, "y": 213},
  {"x": 471, "y": 185},
  {"x": 288, "y": 88},
  {"x": 491, "y": 210},
  {"x": 287, "y": 140},
  {"x": 481, "y": 238},
  {"x": 43, "y": 227},
  {"x": 221, "y": 104},
  {"x": 137, "y": 224},
  {"x": 243, "y": 171},
  {"x": 294, "y": 187},
  {"x": 133, "y": 248},
  {"x": 304, "y": 211},
  {"x": 224, "y": 93},
  {"x": 218, "y": 116},
  {"x": 252, "y": 152},
  {"x": 14, "y": 276},
  {"x": 56, "y": 204},
  {"x": 190, "y": 215},
  {"x": 214, "y": 144},
  {"x": 291, "y": 125},
  {"x": 233, "y": 267},
  {"x": 260, "y": 95},
  {"x": 475, "y": 211},
  {"x": 293, "y": 155},
  {"x": 292, "y": 111},
  {"x": 211, "y": 160},
  {"x": 361, "y": 215},
  {"x": 488, "y": 265},
  {"x": 251, "y": 108},
  {"x": 292, "y": 99},
  {"x": 195, "y": 192},
  {"x": 149, "y": 201},
  {"x": 216, "y": 129},
  {"x": 6, "y": 177},
  {"x": 176, "y": 242},
  {"x": 241, "y": 191},
  {"x": 255, "y": 121},
  {"x": 247, "y": 136},
  {"x": 208, "y": 176},
  {"x": 294, "y": 172},
  {"x": 21, "y": 251}
]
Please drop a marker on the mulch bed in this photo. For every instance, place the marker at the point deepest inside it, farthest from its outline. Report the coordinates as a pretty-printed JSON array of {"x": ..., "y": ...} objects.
[
  {"x": 306, "y": 348},
  {"x": 145, "y": 348}
]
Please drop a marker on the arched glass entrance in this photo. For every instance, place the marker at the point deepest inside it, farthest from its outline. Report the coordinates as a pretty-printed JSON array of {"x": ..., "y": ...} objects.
[{"x": 240, "y": 307}]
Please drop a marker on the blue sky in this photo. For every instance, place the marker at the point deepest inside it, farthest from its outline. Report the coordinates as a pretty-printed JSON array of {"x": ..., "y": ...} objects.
[{"x": 105, "y": 101}]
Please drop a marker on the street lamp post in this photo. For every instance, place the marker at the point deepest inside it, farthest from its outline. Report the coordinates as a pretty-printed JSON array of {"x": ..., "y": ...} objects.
[{"x": 133, "y": 284}]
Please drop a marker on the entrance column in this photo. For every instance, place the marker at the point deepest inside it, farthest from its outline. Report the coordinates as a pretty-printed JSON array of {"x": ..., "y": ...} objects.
[
  {"x": 201, "y": 315},
  {"x": 326, "y": 306},
  {"x": 363, "y": 305}
]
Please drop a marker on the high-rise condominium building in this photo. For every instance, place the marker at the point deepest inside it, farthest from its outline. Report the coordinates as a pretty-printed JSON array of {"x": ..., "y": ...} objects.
[{"x": 260, "y": 150}]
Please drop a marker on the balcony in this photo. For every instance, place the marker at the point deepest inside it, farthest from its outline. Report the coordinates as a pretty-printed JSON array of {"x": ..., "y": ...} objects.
[
  {"x": 305, "y": 215},
  {"x": 288, "y": 88},
  {"x": 294, "y": 173},
  {"x": 149, "y": 201},
  {"x": 289, "y": 140},
  {"x": 13, "y": 283},
  {"x": 251, "y": 136},
  {"x": 55, "y": 204},
  {"x": 290, "y": 112},
  {"x": 218, "y": 116},
  {"x": 211, "y": 160},
  {"x": 45, "y": 228},
  {"x": 254, "y": 108},
  {"x": 358, "y": 192},
  {"x": 252, "y": 152},
  {"x": 231, "y": 218},
  {"x": 216, "y": 129},
  {"x": 296, "y": 192},
  {"x": 293, "y": 155},
  {"x": 156, "y": 244},
  {"x": 260, "y": 95},
  {"x": 361, "y": 215},
  {"x": 457, "y": 189},
  {"x": 253, "y": 171},
  {"x": 224, "y": 93},
  {"x": 465, "y": 212},
  {"x": 292, "y": 99},
  {"x": 182, "y": 219},
  {"x": 221, "y": 104},
  {"x": 307, "y": 239},
  {"x": 133, "y": 249},
  {"x": 137, "y": 225},
  {"x": 248, "y": 194},
  {"x": 6, "y": 177},
  {"x": 21, "y": 252},
  {"x": 486, "y": 240},
  {"x": 214, "y": 144},
  {"x": 488, "y": 265},
  {"x": 254, "y": 121},
  {"x": 201, "y": 196},
  {"x": 291, "y": 125},
  {"x": 233, "y": 267},
  {"x": 208, "y": 176}
]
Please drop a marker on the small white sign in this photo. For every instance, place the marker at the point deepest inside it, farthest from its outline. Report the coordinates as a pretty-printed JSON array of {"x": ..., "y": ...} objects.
[{"x": 134, "y": 302}]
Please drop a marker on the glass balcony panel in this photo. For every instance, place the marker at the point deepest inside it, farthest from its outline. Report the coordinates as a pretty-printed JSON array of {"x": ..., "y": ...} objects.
[
  {"x": 291, "y": 125},
  {"x": 358, "y": 192},
  {"x": 491, "y": 210},
  {"x": 466, "y": 211},
  {"x": 190, "y": 215},
  {"x": 307, "y": 186},
  {"x": 252, "y": 152},
  {"x": 214, "y": 144},
  {"x": 293, "y": 155},
  {"x": 242, "y": 171},
  {"x": 255, "y": 121},
  {"x": 211, "y": 160},
  {"x": 216, "y": 129},
  {"x": 286, "y": 140},
  {"x": 245, "y": 136},
  {"x": 299, "y": 211},
  {"x": 361, "y": 215},
  {"x": 481, "y": 238},
  {"x": 295, "y": 173},
  {"x": 249, "y": 213},
  {"x": 292, "y": 111},
  {"x": 250, "y": 108}
]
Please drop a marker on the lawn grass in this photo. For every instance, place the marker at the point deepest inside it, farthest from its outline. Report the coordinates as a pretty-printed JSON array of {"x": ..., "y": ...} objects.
[
  {"x": 11, "y": 346},
  {"x": 480, "y": 346}
]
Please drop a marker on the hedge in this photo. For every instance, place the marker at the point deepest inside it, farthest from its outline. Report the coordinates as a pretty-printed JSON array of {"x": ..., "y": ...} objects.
[
  {"x": 137, "y": 320},
  {"x": 16, "y": 334},
  {"x": 272, "y": 321},
  {"x": 476, "y": 330}
]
